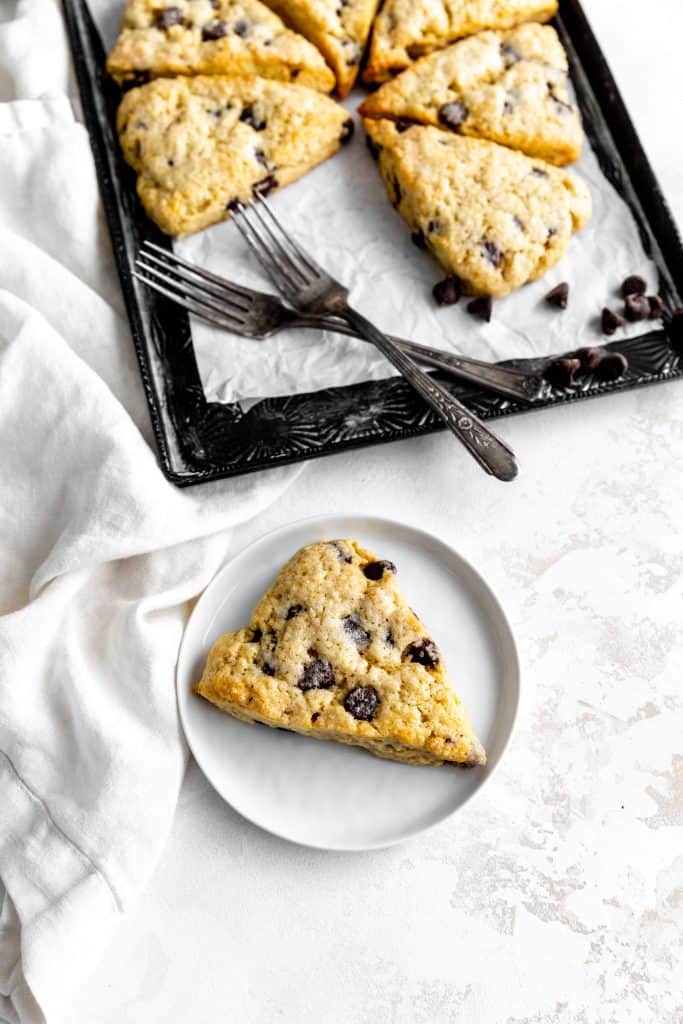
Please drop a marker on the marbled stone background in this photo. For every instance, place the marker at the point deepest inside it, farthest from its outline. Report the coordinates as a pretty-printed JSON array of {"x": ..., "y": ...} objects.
[{"x": 557, "y": 896}]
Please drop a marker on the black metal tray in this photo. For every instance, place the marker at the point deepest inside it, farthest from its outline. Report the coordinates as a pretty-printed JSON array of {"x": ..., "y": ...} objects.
[{"x": 200, "y": 440}]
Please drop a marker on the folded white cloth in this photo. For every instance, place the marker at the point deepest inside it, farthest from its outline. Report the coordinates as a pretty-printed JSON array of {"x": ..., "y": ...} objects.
[{"x": 99, "y": 554}]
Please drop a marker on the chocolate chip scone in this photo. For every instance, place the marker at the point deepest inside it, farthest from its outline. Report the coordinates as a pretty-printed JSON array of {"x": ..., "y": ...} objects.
[
  {"x": 493, "y": 217},
  {"x": 509, "y": 87},
  {"x": 213, "y": 37},
  {"x": 339, "y": 29},
  {"x": 199, "y": 144},
  {"x": 334, "y": 652},
  {"x": 407, "y": 29}
]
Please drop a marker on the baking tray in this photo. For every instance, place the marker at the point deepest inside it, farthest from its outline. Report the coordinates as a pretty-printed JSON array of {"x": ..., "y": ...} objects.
[{"x": 199, "y": 440}]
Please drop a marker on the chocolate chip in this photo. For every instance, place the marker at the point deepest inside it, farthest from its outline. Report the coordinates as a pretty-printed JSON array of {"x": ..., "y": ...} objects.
[
  {"x": 657, "y": 309},
  {"x": 636, "y": 307},
  {"x": 267, "y": 669},
  {"x": 538, "y": 172},
  {"x": 169, "y": 16},
  {"x": 294, "y": 74},
  {"x": 342, "y": 553},
  {"x": 453, "y": 115},
  {"x": 434, "y": 227},
  {"x": 389, "y": 638},
  {"x": 214, "y": 30},
  {"x": 241, "y": 27},
  {"x": 423, "y": 652},
  {"x": 362, "y": 702},
  {"x": 315, "y": 716},
  {"x": 317, "y": 675},
  {"x": 360, "y": 637},
  {"x": 560, "y": 373},
  {"x": 265, "y": 186},
  {"x": 256, "y": 635},
  {"x": 252, "y": 119},
  {"x": 481, "y": 307},
  {"x": 375, "y": 570},
  {"x": 261, "y": 158},
  {"x": 418, "y": 239},
  {"x": 589, "y": 358},
  {"x": 493, "y": 254},
  {"x": 347, "y": 131},
  {"x": 633, "y": 285},
  {"x": 294, "y": 610},
  {"x": 509, "y": 54},
  {"x": 612, "y": 367},
  {"x": 448, "y": 291},
  {"x": 558, "y": 296},
  {"x": 611, "y": 321}
]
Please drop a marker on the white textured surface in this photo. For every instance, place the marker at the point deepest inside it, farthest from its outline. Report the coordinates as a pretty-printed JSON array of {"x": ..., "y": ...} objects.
[{"x": 557, "y": 897}]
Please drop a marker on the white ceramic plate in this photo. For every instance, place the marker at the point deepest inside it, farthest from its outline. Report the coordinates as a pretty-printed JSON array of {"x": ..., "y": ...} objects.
[{"x": 328, "y": 795}]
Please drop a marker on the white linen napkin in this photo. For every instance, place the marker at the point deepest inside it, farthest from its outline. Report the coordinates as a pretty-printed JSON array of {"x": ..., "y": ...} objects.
[{"x": 99, "y": 554}]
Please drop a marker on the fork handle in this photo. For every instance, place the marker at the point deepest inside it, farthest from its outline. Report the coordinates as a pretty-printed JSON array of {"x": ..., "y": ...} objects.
[
  {"x": 488, "y": 450},
  {"x": 514, "y": 384}
]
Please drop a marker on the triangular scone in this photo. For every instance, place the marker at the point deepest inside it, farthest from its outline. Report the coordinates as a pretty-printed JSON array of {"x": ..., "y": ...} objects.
[
  {"x": 405, "y": 30},
  {"x": 490, "y": 215},
  {"x": 200, "y": 143},
  {"x": 509, "y": 87},
  {"x": 339, "y": 28},
  {"x": 213, "y": 37},
  {"x": 333, "y": 651}
]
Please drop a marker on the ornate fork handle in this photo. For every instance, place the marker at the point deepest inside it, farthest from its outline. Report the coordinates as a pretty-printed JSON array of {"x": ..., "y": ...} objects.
[{"x": 488, "y": 450}]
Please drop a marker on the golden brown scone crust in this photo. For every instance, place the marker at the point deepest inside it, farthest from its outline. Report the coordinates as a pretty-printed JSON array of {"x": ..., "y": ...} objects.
[
  {"x": 227, "y": 37},
  {"x": 199, "y": 143},
  {"x": 329, "y": 653},
  {"x": 493, "y": 217},
  {"x": 407, "y": 29},
  {"x": 508, "y": 87}
]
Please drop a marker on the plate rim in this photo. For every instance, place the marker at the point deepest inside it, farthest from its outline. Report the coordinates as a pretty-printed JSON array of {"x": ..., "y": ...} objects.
[{"x": 514, "y": 671}]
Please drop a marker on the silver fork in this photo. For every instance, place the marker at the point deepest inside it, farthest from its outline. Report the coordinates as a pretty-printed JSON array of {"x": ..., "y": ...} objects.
[
  {"x": 311, "y": 289},
  {"x": 255, "y": 314}
]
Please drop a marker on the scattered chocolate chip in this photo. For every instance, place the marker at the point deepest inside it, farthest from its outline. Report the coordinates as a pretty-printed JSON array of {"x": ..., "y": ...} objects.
[
  {"x": 418, "y": 239},
  {"x": 256, "y": 635},
  {"x": 633, "y": 285},
  {"x": 362, "y": 702},
  {"x": 265, "y": 186},
  {"x": 342, "y": 553},
  {"x": 676, "y": 330},
  {"x": 294, "y": 74},
  {"x": 347, "y": 131},
  {"x": 423, "y": 652},
  {"x": 636, "y": 307},
  {"x": 481, "y": 307},
  {"x": 375, "y": 570},
  {"x": 589, "y": 358},
  {"x": 241, "y": 27},
  {"x": 169, "y": 16},
  {"x": 509, "y": 54},
  {"x": 214, "y": 30},
  {"x": 538, "y": 172},
  {"x": 317, "y": 675},
  {"x": 360, "y": 637},
  {"x": 267, "y": 669},
  {"x": 492, "y": 253},
  {"x": 315, "y": 716},
  {"x": 611, "y": 321},
  {"x": 252, "y": 119},
  {"x": 558, "y": 296},
  {"x": 657, "y": 309},
  {"x": 560, "y": 373},
  {"x": 612, "y": 367},
  {"x": 294, "y": 610},
  {"x": 261, "y": 158},
  {"x": 448, "y": 291},
  {"x": 453, "y": 115}
]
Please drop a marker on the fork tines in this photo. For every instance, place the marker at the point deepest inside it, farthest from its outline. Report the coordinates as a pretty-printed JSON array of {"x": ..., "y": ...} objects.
[{"x": 261, "y": 229}]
